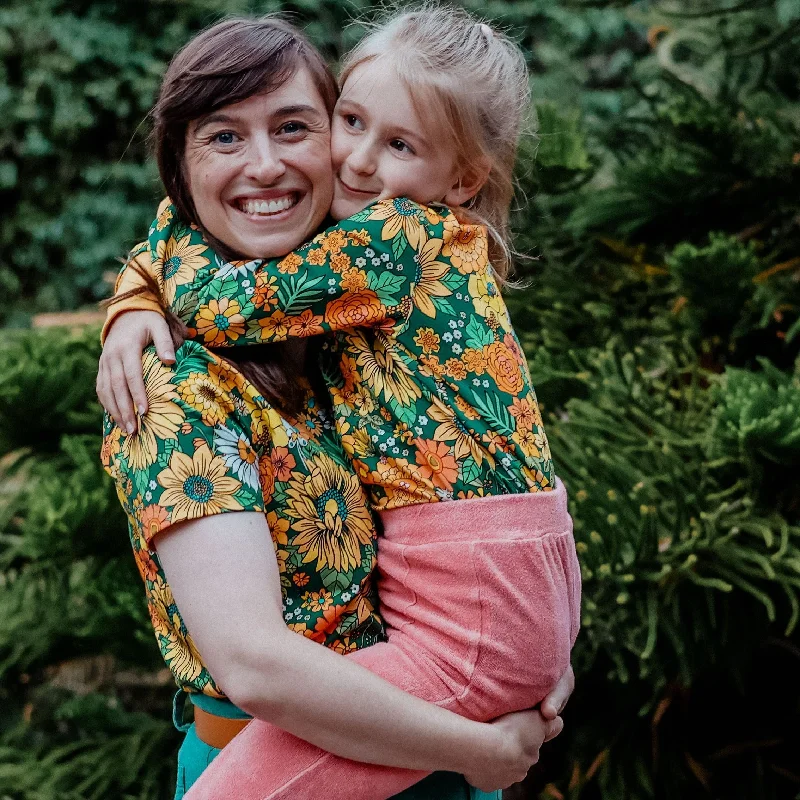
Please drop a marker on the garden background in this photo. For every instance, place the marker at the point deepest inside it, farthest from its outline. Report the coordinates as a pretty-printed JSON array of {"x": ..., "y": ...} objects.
[{"x": 660, "y": 206}]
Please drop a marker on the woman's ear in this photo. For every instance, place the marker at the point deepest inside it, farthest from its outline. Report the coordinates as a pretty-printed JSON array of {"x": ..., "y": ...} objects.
[{"x": 470, "y": 182}]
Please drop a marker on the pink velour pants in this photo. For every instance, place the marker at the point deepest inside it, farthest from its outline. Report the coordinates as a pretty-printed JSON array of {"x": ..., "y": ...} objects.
[{"x": 481, "y": 600}]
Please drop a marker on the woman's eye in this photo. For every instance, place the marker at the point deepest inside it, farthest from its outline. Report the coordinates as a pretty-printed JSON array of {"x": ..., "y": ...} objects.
[
  {"x": 225, "y": 137},
  {"x": 293, "y": 127},
  {"x": 400, "y": 146}
]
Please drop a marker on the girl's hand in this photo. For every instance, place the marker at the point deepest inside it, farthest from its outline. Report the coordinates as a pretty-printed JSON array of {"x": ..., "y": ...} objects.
[
  {"x": 522, "y": 734},
  {"x": 553, "y": 705},
  {"x": 119, "y": 377}
]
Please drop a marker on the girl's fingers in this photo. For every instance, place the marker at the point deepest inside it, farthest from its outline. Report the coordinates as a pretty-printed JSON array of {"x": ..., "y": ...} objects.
[
  {"x": 105, "y": 395},
  {"x": 162, "y": 339},
  {"x": 122, "y": 398},
  {"x": 132, "y": 366}
]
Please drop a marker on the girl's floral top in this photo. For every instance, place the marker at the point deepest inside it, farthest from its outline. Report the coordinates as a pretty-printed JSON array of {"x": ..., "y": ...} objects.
[
  {"x": 209, "y": 444},
  {"x": 430, "y": 388}
]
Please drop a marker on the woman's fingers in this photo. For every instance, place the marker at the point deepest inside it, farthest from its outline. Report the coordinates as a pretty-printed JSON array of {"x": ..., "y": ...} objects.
[
  {"x": 554, "y": 727},
  {"x": 556, "y": 701}
]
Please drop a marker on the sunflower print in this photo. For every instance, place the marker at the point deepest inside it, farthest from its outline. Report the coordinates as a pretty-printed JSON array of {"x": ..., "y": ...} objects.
[
  {"x": 422, "y": 345},
  {"x": 210, "y": 444}
]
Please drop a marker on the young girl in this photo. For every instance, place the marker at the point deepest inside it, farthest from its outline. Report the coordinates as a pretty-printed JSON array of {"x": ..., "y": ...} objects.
[{"x": 430, "y": 390}]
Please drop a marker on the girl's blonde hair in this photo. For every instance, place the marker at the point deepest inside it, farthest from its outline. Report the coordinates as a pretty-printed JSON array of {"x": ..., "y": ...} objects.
[{"x": 474, "y": 79}]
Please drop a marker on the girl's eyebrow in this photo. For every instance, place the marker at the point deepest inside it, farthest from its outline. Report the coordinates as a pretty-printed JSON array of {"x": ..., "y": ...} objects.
[{"x": 403, "y": 132}]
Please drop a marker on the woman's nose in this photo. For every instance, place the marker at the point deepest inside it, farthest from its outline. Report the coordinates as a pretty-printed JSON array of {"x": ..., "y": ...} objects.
[{"x": 264, "y": 162}]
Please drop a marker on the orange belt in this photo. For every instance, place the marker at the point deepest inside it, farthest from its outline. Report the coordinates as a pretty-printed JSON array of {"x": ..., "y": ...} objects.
[{"x": 216, "y": 731}]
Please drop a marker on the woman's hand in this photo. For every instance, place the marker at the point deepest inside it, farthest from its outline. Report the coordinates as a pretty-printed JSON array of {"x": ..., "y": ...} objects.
[
  {"x": 553, "y": 705},
  {"x": 119, "y": 376},
  {"x": 522, "y": 734}
]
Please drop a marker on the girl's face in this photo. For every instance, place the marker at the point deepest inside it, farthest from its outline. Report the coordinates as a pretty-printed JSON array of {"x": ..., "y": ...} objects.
[
  {"x": 259, "y": 171},
  {"x": 381, "y": 148}
]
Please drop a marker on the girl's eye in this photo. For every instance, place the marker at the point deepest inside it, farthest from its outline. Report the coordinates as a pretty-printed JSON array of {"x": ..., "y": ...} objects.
[
  {"x": 401, "y": 146},
  {"x": 353, "y": 121}
]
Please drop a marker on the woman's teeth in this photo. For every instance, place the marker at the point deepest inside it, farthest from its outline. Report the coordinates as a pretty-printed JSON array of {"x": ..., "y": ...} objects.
[{"x": 267, "y": 206}]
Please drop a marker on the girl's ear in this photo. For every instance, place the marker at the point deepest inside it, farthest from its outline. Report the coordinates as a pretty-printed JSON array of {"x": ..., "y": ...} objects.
[{"x": 469, "y": 183}]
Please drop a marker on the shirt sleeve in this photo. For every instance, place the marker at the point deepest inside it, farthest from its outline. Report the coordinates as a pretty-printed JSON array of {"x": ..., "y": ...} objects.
[
  {"x": 128, "y": 279},
  {"x": 359, "y": 273}
]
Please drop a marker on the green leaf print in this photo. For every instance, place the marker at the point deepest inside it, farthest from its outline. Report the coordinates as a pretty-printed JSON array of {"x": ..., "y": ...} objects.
[
  {"x": 361, "y": 216},
  {"x": 335, "y": 581},
  {"x": 386, "y": 286},
  {"x": 443, "y": 304},
  {"x": 470, "y": 471},
  {"x": 407, "y": 414},
  {"x": 453, "y": 280},
  {"x": 399, "y": 245},
  {"x": 493, "y": 410},
  {"x": 186, "y": 305},
  {"x": 141, "y": 479},
  {"x": 349, "y": 622},
  {"x": 478, "y": 335},
  {"x": 247, "y": 497},
  {"x": 298, "y": 293}
]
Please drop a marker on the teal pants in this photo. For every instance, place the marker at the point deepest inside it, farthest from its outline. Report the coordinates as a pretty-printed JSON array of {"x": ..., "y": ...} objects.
[{"x": 194, "y": 756}]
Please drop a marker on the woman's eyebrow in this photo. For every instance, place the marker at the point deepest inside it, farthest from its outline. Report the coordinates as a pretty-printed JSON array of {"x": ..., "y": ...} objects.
[
  {"x": 210, "y": 119},
  {"x": 299, "y": 108}
]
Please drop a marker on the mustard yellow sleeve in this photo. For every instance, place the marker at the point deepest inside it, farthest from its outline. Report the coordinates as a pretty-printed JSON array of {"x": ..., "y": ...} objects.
[{"x": 127, "y": 280}]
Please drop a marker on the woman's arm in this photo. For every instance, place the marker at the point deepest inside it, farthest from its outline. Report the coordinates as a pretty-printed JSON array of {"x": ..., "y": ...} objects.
[{"x": 232, "y": 606}]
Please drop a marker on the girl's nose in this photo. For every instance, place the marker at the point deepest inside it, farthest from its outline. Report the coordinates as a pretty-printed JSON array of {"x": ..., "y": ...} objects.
[
  {"x": 264, "y": 162},
  {"x": 362, "y": 159}
]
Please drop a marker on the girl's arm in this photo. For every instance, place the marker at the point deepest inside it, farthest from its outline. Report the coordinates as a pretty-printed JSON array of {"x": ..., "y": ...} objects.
[{"x": 232, "y": 606}]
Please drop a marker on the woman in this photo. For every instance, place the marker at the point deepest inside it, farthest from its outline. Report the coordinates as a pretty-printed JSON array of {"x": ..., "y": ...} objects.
[{"x": 267, "y": 76}]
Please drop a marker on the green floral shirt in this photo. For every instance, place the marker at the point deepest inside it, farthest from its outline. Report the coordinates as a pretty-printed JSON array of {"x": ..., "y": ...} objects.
[
  {"x": 210, "y": 444},
  {"x": 431, "y": 392}
]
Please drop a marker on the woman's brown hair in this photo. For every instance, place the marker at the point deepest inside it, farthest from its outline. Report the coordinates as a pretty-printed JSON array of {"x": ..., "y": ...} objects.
[{"x": 225, "y": 64}]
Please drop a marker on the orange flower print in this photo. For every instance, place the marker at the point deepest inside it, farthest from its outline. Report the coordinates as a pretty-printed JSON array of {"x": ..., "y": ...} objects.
[
  {"x": 455, "y": 368},
  {"x": 523, "y": 412},
  {"x": 359, "y": 238},
  {"x": 300, "y": 579},
  {"x": 427, "y": 340},
  {"x": 145, "y": 564},
  {"x": 465, "y": 245},
  {"x": 503, "y": 368},
  {"x": 327, "y": 623},
  {"x": 265, "y": 293},
  {"x": 495, "y": 441},
  {"x": 430, "y": 367},
  {"x": 220, "y": 321},
  {"x": 224, "y": 376},
  {"x": 290, "y": 264},
  {"x": 334, "y": 241},
  {"x": 276, "y": 325},
  {"x": 340, "y": 262},
  {"x": 283, "y": 462},
  {"x": 316, "y": 256},
  {"x": 510, "y": 341},
  {"x": 317, "y": 601},
  {"x": 474, "y": 361},
  {"x": 301, "y": 628},
  {"x": 355, "y": 309},
  {"x": 306, "y": 324},
  {"x": 343, "y": 647},
  {"x": 266, "y": 477},
  {"x": 153, "y": 519},
  {"x": 111, "y": 446},
  {"x": 353, "y": 280},
  {"x": 465, "y": 408},
  {"x": 437, "y": 462}
]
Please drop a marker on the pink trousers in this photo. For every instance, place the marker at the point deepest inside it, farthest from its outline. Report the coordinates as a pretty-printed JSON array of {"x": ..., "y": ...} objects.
[{"x": 481, "y": 600}]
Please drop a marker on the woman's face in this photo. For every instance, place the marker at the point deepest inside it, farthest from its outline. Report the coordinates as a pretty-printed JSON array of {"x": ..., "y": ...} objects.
[{"x": 259, "y": 171}]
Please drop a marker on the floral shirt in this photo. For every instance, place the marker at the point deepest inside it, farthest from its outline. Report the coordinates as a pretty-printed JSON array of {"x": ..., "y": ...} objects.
[
  {"x": 210, "y": 444},
  {"x": 430, "y": 388}
]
